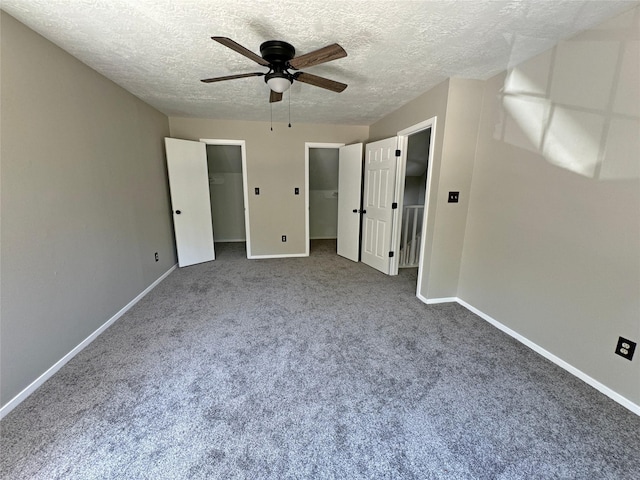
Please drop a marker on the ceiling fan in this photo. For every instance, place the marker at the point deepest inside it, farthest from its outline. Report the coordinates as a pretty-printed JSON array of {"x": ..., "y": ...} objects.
[{"x": 280, "y": 58}]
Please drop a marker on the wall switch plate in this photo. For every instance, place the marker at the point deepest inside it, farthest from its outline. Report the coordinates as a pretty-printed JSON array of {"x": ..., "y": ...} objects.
[
  {"x": 156, "y": 256},
  {"x": 453, "y": 197},
  {"x": 257, "y": 190},
  {"x": 284, "y": 238},
  {"x": 296, "y": 191},
  {"x": 625, "y": 348}
]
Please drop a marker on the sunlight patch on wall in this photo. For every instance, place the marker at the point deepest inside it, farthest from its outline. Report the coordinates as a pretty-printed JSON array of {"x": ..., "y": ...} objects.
[
  {"x": 573, "y": 140},
  {"x": 525, "y": 121},
  {"x": 567, "y": 106}
]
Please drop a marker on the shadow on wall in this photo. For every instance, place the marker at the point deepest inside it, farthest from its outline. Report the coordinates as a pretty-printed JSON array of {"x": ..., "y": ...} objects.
[{"x": 571, "y": 104}]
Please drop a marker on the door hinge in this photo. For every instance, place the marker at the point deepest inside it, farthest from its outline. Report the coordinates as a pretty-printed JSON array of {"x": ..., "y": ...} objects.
[
  {"x": 394, "y": 205},
  {"x": 398, "y": 153},
  {"x": 390, "y": 254}
]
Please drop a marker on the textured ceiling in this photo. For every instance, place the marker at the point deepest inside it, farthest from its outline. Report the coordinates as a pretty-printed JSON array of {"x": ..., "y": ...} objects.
[{"x": 160, "y": 49}]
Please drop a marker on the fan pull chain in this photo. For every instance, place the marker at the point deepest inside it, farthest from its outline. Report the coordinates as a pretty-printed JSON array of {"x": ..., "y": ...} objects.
[
  {"x": 289, "y": 108},
  {"x": 271, "y": 105}
]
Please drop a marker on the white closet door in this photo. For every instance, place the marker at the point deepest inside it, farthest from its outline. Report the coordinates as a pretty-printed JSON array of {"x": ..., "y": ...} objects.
[
  {"x": 349, "y": 200},
  {"x": 189, "y": 185},
  {"x": 379, "y": 189}
]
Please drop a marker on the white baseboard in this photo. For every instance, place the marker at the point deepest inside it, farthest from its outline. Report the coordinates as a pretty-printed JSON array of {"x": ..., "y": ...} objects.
[
  {"x": 434, "y": 301},
  {"x": 15, "y": 401},
  {"x": 287, "y": 255},
  {"x": 625, "y": 402}
]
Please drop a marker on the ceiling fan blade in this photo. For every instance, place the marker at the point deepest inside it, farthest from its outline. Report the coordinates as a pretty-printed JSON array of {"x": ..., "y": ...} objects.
[
  {"x": 275, "y": 97},
  {"x": 227, "y": 42},
  {"x": 322, "y": 55},
  {"x": 232, "y": 77},
  {"x": 321, "y": 82}
]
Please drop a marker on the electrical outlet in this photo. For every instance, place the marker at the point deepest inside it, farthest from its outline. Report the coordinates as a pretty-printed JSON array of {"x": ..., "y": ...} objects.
[
  {"x": 284, "y": 238},
  {"x": 453, "y": 197},
  {"x": 157, "y": 257},
  {"x": 625, "y": 348}
]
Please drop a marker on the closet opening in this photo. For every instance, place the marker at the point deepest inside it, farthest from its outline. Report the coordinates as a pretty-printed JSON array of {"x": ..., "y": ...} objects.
[
  {"x": 227, "y": 194},
  {"x": 323, "y": 197}
]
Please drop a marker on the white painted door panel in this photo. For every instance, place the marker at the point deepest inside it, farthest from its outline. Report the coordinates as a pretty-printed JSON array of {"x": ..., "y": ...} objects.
[
  {"x": 379, "y": 189},
  {"x": 189, "y": 186},
  {"x": 349, "y": 200}
]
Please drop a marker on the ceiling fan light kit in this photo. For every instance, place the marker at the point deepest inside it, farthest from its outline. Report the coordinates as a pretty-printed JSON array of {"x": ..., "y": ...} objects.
[
  {"x": 279, "y": 57},
  {"x": 278, "y": 82}
]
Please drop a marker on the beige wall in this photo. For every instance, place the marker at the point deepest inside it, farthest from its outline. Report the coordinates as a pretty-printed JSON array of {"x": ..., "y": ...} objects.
[
  {"x": 275, "y": 164},
  {"x": 552, "y": 245},
  {"x": 84, "y": 203},
  {"x": 430, "y": 104},
  {"x": 458, "y": 153},
  {"x": 456, "y": 103}
]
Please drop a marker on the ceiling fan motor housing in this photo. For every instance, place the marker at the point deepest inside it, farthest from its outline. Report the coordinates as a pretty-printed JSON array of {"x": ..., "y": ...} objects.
[{"x": 277, "y": 52}]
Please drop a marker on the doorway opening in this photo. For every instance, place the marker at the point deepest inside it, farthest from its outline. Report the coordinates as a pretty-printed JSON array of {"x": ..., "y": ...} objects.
[
  {"x": 412, "y": 227},
  {"x": 322, "y": 195},
  {"x": 415, "y": 190},
  {"x": 227, "y": 193}
]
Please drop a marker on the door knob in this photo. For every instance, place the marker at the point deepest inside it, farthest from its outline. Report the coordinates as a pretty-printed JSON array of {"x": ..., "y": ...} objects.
[
  {"x": 178, "y": 212},
  {"x": 364, "y": 211},
  {"x": 355, "y": 210}
]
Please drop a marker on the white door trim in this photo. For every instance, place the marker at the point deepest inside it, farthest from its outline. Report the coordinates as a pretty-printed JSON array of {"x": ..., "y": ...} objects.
[
  {"x": 307, "y": 147},
  {"x": 403, "y": 135},
  {"x": 245, "y": 189}
]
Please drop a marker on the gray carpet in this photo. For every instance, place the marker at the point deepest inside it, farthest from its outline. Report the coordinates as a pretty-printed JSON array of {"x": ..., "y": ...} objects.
[{"x": 311, "y": 368}]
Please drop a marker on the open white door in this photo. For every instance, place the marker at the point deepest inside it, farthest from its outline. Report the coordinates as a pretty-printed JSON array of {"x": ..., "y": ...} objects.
[
  {"x": 379, "y": 188},
  {"x": 189, "y": 185},
  {"x": 349, "y": 200}
]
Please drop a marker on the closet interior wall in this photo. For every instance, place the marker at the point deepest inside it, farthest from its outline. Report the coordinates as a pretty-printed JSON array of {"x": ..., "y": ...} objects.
[
  {"x": 225, "y": 190},
  {"x": 323, "y": 193}
]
